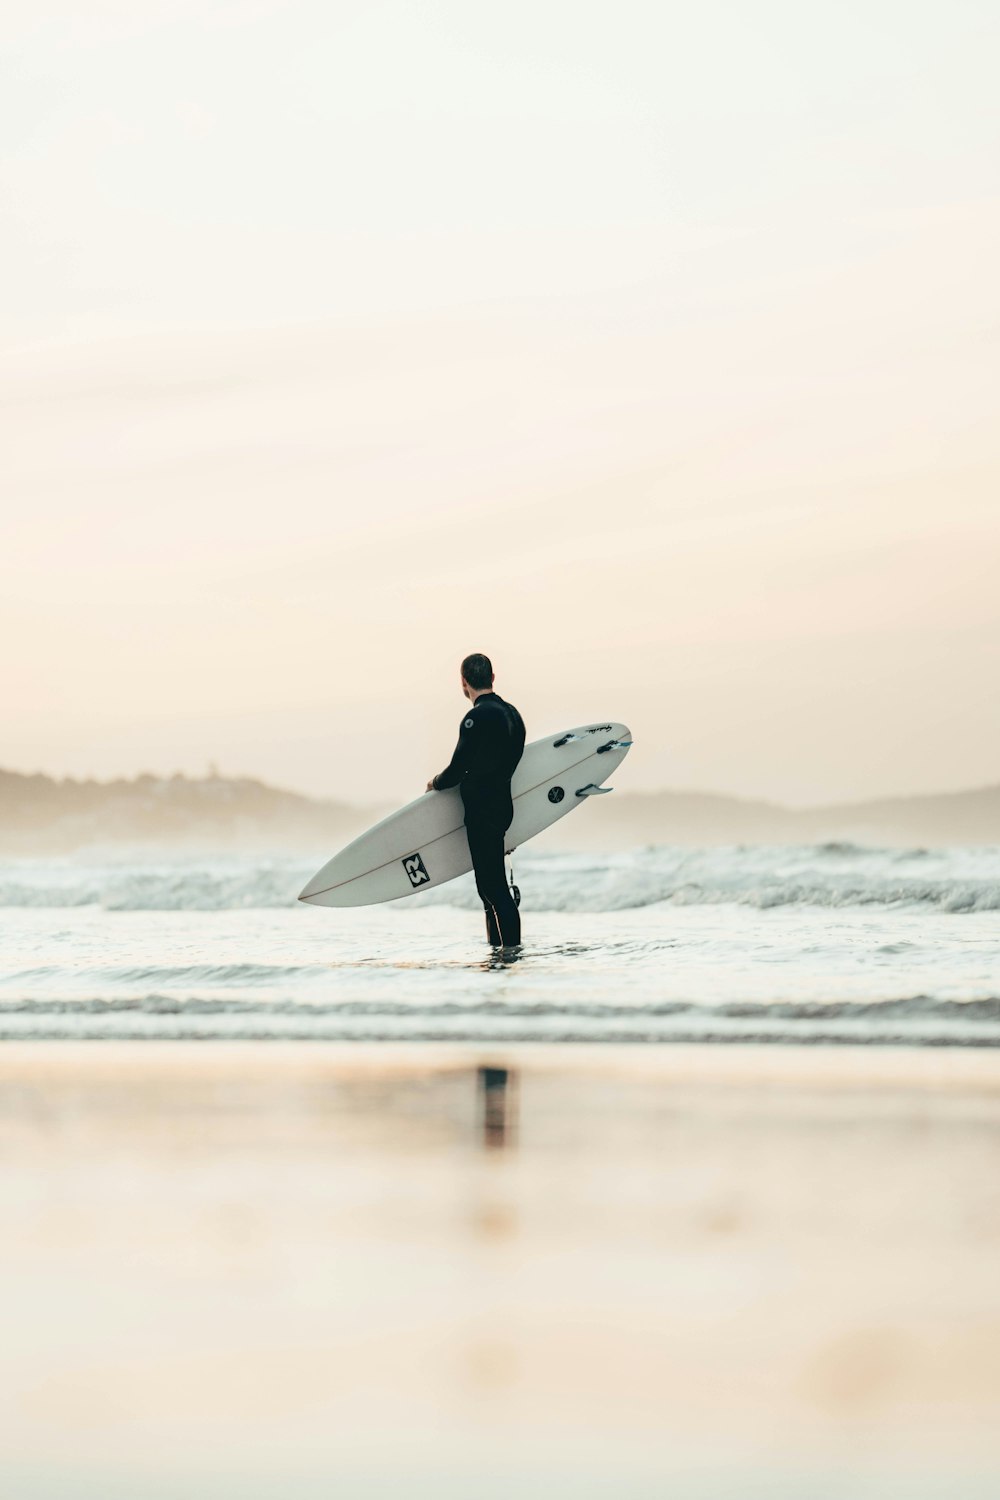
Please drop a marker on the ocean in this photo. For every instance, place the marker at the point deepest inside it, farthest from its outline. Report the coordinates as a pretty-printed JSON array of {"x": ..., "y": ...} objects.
[{"x": 824, "y": 944}]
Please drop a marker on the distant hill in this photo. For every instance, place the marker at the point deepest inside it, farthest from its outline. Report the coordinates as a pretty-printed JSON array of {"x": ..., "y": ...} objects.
[
  {"x": 40, "y": 815},
  {"x": 701, "y": 818}
]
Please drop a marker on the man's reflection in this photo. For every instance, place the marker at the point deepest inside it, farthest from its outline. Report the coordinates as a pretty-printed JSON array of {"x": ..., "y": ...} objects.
[{"x": 498, "y": 1104}]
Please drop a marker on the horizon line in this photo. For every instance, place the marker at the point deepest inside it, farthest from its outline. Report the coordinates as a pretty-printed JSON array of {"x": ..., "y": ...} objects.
[{"x": 214, "y": 775}]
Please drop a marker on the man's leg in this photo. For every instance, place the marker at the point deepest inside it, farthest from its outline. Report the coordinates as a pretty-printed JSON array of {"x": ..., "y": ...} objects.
[
  {"x": 492, "y": 930},
  {"x": 503, "y": 922}
]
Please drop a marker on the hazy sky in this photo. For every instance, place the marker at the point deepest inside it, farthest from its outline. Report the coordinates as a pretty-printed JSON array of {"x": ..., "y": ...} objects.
[{"x": 651, "y": 348}]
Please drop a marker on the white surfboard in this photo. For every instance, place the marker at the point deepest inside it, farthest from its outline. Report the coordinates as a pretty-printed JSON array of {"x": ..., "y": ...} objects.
[{"x": 424, "y": 844}]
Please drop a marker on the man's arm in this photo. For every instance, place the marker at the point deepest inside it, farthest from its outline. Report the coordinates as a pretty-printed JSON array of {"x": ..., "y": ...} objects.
[{"x": 460, "y": 762}]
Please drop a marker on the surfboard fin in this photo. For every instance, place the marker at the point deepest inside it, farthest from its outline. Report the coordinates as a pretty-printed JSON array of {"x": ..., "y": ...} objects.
[
  {"x": 558, "y": 744},
  {"x": 593, "y": 790},
  {"x": 614, "y": 745}
]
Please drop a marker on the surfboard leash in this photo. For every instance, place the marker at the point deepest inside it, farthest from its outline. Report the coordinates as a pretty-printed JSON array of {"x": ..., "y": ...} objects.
[{"x": 514, "y": 889}]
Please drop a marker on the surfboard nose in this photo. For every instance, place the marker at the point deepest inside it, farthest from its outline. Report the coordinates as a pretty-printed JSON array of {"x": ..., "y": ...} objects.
[{"x": 315, "y": 886}]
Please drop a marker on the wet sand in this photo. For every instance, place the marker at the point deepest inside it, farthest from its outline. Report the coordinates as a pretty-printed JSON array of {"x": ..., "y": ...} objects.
[{"x": 271, "y": 1269}]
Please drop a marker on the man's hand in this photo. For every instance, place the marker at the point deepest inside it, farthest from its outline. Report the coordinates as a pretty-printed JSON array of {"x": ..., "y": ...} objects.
[{"x": 430, "y": 787}]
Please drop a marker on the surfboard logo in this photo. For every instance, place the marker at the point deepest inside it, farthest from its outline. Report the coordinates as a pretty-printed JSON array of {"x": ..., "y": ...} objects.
[
  {"x": 556, "y": 794},
  {"x": 415, "y": 869}
]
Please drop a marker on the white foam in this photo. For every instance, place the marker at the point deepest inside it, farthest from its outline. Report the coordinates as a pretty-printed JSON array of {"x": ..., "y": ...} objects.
[{"x": 762, "y": 877}]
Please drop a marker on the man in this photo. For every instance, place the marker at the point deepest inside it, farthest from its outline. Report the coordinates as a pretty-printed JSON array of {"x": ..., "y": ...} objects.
[{"x": 490, "y": 743}]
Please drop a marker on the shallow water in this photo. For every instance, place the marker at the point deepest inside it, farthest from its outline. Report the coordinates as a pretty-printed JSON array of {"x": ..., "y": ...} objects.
[{"x": 819, "y": 944}]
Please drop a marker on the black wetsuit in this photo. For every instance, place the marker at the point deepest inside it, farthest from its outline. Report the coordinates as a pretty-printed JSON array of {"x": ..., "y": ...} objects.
[{"x": 489, "y": 747}]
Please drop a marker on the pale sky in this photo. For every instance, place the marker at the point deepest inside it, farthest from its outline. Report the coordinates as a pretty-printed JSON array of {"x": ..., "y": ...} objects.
[{"x": 650, "y": 348}]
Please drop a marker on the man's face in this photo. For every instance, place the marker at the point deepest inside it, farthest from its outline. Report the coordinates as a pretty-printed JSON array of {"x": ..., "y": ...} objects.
[{"x": 465, "y": 686}]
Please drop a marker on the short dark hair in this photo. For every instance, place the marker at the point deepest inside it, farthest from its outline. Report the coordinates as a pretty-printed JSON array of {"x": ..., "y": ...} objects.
[{"x": 477, "y": 670}]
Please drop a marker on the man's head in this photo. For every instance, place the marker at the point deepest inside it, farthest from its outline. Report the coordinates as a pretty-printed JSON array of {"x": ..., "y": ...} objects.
[{"x": 477, "y": 674}]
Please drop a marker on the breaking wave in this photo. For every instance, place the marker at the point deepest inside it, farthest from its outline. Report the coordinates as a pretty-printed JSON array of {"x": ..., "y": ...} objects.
[{"x": 824, "y": 875}]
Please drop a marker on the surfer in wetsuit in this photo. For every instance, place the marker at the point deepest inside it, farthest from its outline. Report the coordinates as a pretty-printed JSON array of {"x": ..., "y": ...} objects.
[{"x": 490, "y": 742}]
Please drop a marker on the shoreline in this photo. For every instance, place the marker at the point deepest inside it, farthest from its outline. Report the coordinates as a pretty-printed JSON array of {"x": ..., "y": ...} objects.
[{"x": 928, "y": 1065}]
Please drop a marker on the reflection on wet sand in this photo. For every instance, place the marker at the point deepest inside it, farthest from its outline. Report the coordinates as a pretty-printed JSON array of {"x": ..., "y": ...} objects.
[
  {"x": 498, "y": 1104},
  {"x": 258, "y": 1270}
]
